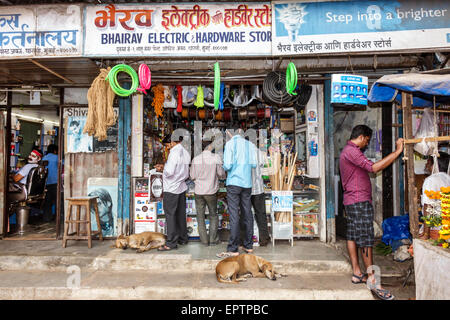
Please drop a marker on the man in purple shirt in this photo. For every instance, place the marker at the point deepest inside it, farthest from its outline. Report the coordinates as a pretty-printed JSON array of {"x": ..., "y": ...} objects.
[{"x": 355, "y": 168}]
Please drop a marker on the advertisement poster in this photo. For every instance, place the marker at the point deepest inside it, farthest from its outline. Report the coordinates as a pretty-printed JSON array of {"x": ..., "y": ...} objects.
[
  {"x": 359, "y": 26},
  {"x": 77, "y": 141},
  {"x": 178, "y": 29},
  {"x": 40, "y": 31},
  {"x": 145, "y": 213},
  {"x": 106, "y": 189},
  {"x": 282, "y": 201},
  {"x": 349, "y": 89}
]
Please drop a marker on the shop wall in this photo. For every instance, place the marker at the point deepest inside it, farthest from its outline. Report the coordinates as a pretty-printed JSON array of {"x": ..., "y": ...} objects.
[
  {"x": 2, "y": 168},
  {"x": 344, "y": 121},
  {"x": 79, "y": 167}
]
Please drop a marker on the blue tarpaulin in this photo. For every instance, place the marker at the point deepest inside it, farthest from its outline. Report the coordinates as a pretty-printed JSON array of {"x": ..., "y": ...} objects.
[
  {"x": 395, "y": 228},
  {"x": 423, "y": 87}
]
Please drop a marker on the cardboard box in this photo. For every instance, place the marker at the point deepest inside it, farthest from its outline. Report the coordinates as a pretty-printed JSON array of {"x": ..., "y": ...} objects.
[{"x": 287, "y": 125}]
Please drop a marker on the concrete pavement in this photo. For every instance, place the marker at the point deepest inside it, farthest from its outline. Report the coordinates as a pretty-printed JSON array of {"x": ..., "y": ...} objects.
[{"x": 44, "y": 270}]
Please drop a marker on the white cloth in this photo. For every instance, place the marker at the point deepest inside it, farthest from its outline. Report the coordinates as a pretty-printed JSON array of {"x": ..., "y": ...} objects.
[
  {"x": 25, "y": 171},
  {"x": 176, "y": 170},
  {"x": 257, "y": 180},
  {"x": 434, "y": 183}
]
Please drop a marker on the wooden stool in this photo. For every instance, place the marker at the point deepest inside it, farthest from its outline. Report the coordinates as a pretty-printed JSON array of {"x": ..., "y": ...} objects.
[{"x": 78, "y": 202}]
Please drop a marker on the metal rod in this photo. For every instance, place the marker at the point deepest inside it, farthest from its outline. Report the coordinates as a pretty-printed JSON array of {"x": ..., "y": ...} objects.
[{"x": 50, "y": 70}]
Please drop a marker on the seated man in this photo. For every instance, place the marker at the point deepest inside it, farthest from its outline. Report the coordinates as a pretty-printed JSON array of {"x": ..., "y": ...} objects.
[{"x": 33, "y": 160}]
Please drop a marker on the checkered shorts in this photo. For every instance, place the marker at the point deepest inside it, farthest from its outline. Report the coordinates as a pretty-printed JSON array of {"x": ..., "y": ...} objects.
[{"x": 360, "y": 223}]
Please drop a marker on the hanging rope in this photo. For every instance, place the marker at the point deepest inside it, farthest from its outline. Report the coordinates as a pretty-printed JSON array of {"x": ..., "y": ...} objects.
[
  {"x": 199, "y": 103},
  {"x": 100, "y": 112}
]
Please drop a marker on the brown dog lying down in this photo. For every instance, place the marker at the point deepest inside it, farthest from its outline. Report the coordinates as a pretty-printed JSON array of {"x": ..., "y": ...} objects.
[
  {"x": 244, "y": 266},
  {"x": 143, "y": 241}
]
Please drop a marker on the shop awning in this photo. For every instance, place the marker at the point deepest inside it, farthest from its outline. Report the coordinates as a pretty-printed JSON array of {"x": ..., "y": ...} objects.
[{"x": 422, "y": 86}]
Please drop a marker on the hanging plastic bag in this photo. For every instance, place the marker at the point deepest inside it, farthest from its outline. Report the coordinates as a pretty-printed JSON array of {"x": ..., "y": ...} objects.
[{"x": 427, "y": 128}]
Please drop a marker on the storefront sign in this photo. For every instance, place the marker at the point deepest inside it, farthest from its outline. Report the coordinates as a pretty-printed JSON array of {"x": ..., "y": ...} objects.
[
  {"x": 349, "y": 89},
  {"x": 178, "y": 29},
  {"x": 359, "y": 26},
  {"x": 40, "y": 31}
]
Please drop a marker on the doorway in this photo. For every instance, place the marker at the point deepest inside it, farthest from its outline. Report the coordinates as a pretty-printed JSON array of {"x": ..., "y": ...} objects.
[{"x": 33, "y": 129}]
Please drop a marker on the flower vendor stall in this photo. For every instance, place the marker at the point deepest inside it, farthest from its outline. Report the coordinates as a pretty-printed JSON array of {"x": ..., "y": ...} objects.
[{"x": 431, "y": 253}]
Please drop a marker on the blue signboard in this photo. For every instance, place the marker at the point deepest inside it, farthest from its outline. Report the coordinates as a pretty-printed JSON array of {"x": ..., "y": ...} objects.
[{"x": 349, "y": 89}]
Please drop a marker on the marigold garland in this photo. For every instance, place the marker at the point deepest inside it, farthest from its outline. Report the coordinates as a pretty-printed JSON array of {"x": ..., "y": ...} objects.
[{"x": 158, "y": 99}]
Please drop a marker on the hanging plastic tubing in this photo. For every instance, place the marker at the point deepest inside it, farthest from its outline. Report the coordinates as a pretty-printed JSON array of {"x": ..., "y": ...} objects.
[
  {"x": 291, "y": 79},
  {"x": 112, "y": 78},
  {"x": 145, "y": 78},
  {"x": 216, "y": 86},
  {"x": 199, "y": 103}
]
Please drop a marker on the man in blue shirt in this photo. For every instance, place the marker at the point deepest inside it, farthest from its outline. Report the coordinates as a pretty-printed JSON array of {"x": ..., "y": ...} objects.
[
  {"x": 52, "y": 181},
  {"x": 238, "y": 161}
]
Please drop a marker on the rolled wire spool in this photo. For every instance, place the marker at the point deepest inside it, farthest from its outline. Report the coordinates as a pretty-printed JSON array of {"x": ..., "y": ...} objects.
[
  {"x": 201, "y": 114},
  {"x": 227, "y": 115},
  {"x": 260, "y": 113},
  {"x": 219, "y": 115},
  {"x": 192, "y": 113},
  {"x": 234, "y": 115},
  {"x": 274, "y": 90},
  {"x": 242, "y": 114},
  {"x": 252, "y": 112},
  {"x": 184, "y": 113}
]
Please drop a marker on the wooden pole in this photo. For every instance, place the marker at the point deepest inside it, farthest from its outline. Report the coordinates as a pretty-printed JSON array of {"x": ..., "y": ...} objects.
[
  {"x": 418, "y": 140},
  {"x": 411, "y": 185}
]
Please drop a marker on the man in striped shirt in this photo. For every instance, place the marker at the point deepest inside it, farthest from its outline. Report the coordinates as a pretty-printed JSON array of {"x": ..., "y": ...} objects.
[{"x": 355, "y": 169}]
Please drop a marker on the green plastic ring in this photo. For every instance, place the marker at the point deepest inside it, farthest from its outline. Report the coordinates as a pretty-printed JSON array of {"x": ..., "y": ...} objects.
[
  {"x": 113, "y": 82},
  {"x": 291, "y": 79}
]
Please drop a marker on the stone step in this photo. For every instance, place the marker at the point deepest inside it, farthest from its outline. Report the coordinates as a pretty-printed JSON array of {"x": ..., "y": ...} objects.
[
  {"x": 121, "y": 261},
  {"x": 138, "y": 284}
]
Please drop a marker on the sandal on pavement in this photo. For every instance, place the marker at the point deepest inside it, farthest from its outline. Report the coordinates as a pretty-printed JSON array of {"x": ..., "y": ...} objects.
[
  {"x": 165, "y": 248},
  {"x": 383, "y": 294},
  {"x": 227, "y": 254},
  {"x": 248, "y": 250},
  {"x": 360, "y": 278}
]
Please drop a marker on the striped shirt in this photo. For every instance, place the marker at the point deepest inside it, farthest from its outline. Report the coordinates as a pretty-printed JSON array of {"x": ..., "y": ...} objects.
[{"x": 355, "y": 168}]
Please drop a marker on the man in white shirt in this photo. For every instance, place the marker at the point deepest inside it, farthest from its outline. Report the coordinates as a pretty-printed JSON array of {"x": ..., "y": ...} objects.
[{"x": 175, "y": 172}]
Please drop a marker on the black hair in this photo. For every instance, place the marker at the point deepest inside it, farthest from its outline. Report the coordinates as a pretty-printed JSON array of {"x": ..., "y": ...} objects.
[
  {"x": 52, "y": 148},
  {"x": 361, "y": 130},
  {"x": 443, "y": 162},
  {"x": 74, "y": 122}
]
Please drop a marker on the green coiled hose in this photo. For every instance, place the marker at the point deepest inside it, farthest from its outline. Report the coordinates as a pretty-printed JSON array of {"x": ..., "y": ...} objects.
[
  {"x": 291, "y": 79},
  {"x": 216, "y": 86},
  {"x": 115, "y": 86}
]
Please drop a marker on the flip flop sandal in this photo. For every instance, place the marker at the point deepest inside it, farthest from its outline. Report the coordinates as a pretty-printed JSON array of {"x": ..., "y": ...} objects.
[
  {"x": 227, "y": 254},
  {"x": 248, "y": 250},
  {"x": 383, "y": 294},
  {"x": 360, "y": 278}
]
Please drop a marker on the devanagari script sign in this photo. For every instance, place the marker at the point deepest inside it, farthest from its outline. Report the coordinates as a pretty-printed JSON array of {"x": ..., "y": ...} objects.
[
  {"x": 40, "y": 31},
  {"x": 178, "y": 29},
  {"x": 359, "y": 26}
]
